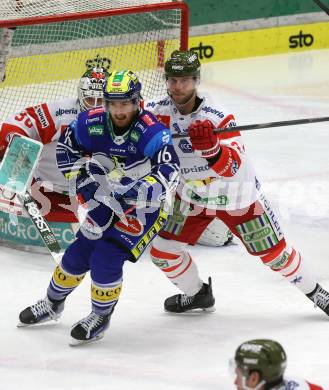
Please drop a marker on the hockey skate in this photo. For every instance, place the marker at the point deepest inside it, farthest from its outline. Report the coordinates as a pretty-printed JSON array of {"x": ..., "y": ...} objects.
[
  {"x": 181, "y": 303},
  {"x": 90, "y": 328},
  {"x": 43, "y": 311},
  {"x": 320, "y": 297}
]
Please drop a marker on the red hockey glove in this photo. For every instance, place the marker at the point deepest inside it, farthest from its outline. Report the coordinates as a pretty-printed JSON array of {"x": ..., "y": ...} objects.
[{"x": 205, "y": 142}]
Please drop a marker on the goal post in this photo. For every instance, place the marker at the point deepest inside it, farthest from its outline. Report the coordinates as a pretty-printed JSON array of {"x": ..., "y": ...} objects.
[{"x": 51, "y": 44}]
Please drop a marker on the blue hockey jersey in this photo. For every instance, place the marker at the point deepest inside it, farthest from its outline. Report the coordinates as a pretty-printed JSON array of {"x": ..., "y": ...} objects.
[{"x": 144, "y": 149}]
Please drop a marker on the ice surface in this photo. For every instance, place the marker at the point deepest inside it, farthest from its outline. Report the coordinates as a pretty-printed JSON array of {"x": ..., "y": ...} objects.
[{"x": 146, "y": 348}]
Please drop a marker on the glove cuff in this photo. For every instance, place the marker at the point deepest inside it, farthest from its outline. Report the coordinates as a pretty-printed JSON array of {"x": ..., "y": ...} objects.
[{"x": 208, "y": 153}]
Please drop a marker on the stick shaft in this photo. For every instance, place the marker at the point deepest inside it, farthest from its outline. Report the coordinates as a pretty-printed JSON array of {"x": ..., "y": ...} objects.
[
  {"x": 322, "y": 6},
  {"x": 41, "y": 225},
  {"x": 258, "y": 126}
]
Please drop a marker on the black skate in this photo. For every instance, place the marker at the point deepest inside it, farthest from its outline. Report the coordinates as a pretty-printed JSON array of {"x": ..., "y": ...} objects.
[
  {"x": 181, "y": 303},
  {"x": 42, "y": 311},
  {"x": 320, "y": 297},
  {"x": 90, "y": 328}
]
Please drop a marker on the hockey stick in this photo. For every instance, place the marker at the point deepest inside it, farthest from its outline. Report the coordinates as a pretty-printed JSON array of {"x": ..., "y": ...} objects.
[
  {"x": 16, "y": 171},
  {"x": 258, "y": 126},
  {"x": 47, "y": 235},
  {"x": 322, "y": 6}
]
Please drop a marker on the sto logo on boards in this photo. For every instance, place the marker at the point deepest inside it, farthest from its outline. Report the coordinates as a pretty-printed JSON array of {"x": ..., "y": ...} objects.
[
  {"x": 301, "y": 40},
  {"x": 203, "y": 51}
]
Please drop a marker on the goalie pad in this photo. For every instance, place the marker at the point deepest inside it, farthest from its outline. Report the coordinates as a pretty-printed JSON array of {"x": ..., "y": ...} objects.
[{"x": 216, "y": 234}]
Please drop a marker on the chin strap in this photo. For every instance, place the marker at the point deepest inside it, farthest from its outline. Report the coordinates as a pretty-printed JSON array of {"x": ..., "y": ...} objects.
[{"x": 258, "y": 387}]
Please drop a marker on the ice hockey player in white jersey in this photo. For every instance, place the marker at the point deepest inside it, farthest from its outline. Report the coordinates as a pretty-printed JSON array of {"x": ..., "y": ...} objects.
[
  {"x": 45, "y": 123},
  {"x": 260, "y": 365},
  {"x": 219, "y": 181}
]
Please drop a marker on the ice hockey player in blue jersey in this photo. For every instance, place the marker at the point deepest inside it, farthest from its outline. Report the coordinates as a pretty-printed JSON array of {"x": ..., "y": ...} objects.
[{"x": 121, "y": 163}]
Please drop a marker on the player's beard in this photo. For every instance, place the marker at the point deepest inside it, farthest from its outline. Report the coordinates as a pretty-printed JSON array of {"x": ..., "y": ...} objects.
[{"x": 184, "y": 100}]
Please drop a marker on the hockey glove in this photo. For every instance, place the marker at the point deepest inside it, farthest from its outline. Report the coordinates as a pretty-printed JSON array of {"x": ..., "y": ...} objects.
[
  {"x": 141, "y": 191},
  {"x": 205, "y": 142},
  {"x": 91, "y": 178}
]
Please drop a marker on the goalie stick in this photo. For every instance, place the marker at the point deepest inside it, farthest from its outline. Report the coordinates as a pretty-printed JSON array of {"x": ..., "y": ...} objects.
[
  {"x": 267, "y": 125},
  {"x": 16, "y": 171},
  {"x": 322, "y": 6}
]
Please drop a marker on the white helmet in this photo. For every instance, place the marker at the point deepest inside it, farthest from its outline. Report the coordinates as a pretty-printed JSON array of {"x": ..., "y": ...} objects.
[{"x": 90, "y": 88}]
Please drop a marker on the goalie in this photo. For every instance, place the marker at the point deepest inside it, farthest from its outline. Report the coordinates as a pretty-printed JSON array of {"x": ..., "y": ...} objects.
[{"x": 45, "y": 123}]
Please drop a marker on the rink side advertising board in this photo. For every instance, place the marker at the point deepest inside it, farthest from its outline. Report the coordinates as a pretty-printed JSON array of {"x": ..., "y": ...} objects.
[
  {"x": 261, "y": 42},
  {"x": 214, "y": 47},
  {"x": 18, "y": 231}
]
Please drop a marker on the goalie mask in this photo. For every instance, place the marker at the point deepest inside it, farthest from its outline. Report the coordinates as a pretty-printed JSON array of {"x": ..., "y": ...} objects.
[
  {"x": 90, "y": 89},
  {"x": 267, "y": 357}
]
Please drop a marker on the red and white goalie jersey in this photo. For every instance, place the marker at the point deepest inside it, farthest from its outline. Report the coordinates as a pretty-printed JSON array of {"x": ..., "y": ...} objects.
[
  {"x": 230, "y": 183},
  {"x": 44, "y": 123}
]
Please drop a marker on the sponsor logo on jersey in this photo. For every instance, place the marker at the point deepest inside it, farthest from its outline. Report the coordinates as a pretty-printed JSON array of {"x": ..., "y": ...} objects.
[
  {"x": 291, "y": 385},
  {"x": 96, "y": 130},
  {"x": 9, "y": 137},
  {"x": 194, "y": 169},
  {"x": 96, "y": 119},
  {"x": 185, "y": 146},
  {"x": 208, "y": 109},
  {"x": 297, "y": 279},
  {"x": 132, "y": 148},
  {"x": 42, "y": 116},
  {"x": 257, "y": 184},
  {"x": 271, "y": 216},
  {"x": 164, "y": 102},
  {"x": 148, "y": 120},
  {"x": 178, "y": 129},
  {"x": 164, "y": 119},
  {"x": 68, "y": 111},
  {"x": 94, "y": 111},
  {"x": 127, "y": 239},
  {"x": 133, "y": 227},
  {"x": 166, "y": 137},
  {"x": 135, "y": 135},
  {"x": 235, "y": 167}
]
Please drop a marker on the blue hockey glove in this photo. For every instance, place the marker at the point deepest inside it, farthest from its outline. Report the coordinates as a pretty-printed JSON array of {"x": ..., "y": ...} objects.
[
  {"x": 91, "y": 178},
  {"x": 144, "y": 190}
]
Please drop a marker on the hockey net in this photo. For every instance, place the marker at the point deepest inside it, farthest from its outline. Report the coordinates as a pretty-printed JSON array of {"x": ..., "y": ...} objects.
[{"x": 51, "y": 40}]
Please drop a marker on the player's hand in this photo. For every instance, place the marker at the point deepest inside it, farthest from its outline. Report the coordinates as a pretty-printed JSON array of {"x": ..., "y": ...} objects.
[
  {"x": 85, "y": 188},
  {"x": 91, "y": 178},
  {"x": 205, "y": 142},
  {"x": 139, "y": 192}
]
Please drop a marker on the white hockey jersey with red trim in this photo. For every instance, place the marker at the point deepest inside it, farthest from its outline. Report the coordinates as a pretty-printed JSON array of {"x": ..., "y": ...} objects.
[
  {"x": 44, "y": 122},
  {"x": 230, "y": 183},
  {"x": 297, "y": 384}
]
